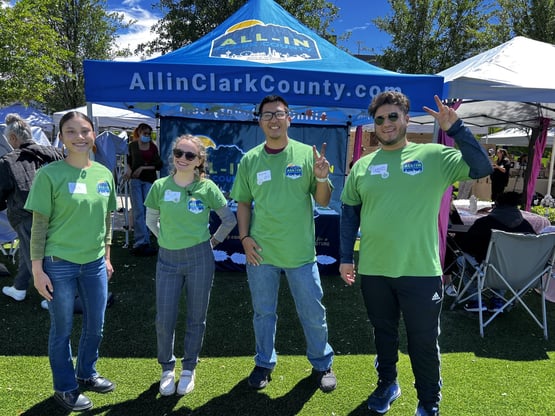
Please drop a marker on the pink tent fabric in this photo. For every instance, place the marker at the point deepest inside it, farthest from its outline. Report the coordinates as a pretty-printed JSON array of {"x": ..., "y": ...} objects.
[
  {"x": 443, "y": 218},
  {"x": 539, "y": 148},
  {"x": 357, "y": 151}
]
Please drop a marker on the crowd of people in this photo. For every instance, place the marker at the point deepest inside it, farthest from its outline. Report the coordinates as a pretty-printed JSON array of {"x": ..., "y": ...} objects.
[{"x": 276, "y": 185}]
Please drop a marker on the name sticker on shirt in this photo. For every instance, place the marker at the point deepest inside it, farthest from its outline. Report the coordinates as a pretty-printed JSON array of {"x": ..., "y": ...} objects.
[
  {"x": 172, "y": 196},
  {"x": 262, "y": 177},
  {"x": 379, "y": 170},
  {"x": 413, "y": 167},
  {"x": 77, "y": 188}
]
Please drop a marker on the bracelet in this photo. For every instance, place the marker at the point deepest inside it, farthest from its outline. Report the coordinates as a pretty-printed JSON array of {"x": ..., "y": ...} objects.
[
  {"x": 322, "y": 179},
  {"x": 242, "y": 238}
]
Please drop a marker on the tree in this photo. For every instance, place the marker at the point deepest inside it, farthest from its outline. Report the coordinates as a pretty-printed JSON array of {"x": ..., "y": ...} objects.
[
  {"x": 29, "y": 58},
  {"x": 86, "y": 31},
  {"x": 534, "y": 19},
  {"x": 185, "y": 21},
  {"x": 431, "y": 35}
]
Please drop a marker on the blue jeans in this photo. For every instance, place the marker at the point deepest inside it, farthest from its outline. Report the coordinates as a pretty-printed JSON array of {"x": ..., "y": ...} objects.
[
  {"x": 190, "y": 269},
  {"x": 304, "y": 283},
  {"x": 139, "y": 190},
  {"x": 91, "y": 283}
]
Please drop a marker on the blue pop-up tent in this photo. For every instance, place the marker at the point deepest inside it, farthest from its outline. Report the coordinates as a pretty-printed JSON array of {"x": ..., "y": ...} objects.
[{"x": 259, "y": 50}]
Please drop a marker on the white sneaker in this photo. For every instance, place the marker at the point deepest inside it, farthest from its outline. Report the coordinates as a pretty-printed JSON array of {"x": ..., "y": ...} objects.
[
  {"x": 186, "y": 382},
  {"x": 14, "y": 293},
  {"x": 167, "y": 383},
  {"x": 44, "y": 304}
]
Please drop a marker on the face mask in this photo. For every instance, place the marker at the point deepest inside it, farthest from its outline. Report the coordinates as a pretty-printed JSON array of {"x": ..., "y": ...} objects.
[{"x": 145, "y": 139}]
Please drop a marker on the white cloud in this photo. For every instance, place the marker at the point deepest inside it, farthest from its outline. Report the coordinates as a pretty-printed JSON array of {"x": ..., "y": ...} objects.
[{"x": 137, "y": 33}]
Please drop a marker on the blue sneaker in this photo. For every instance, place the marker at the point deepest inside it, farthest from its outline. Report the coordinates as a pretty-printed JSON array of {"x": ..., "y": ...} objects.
[
  {"x": 421, "y": 411},
  {"x": 386, "y": 393}
]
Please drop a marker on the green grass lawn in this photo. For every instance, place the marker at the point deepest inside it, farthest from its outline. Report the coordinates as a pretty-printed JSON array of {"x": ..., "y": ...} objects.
[{"x": 509, "y": 372}]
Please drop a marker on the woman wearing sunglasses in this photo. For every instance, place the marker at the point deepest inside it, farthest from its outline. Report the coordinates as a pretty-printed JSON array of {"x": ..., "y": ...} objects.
[{"x": 177, "y": 212}]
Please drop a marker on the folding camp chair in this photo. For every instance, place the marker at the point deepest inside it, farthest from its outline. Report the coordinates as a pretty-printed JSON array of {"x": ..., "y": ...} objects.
[{"x": 515, "y": 263}]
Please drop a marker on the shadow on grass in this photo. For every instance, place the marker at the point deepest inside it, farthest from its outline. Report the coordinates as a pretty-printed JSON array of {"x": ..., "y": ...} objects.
[{"x": 240, "y": 400}]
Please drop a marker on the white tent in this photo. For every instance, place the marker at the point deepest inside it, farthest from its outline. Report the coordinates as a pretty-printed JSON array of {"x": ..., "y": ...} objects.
[
  {"x": 514, "y": 137},
  {"x": 511, "y": 85},
  {"x": 105, "y": 117}
]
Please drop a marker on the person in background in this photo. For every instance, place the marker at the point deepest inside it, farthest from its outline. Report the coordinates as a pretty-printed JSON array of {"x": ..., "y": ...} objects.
[
  {"x": 394, "y": 195},
  {"x": 72, "y": 203},
  {"x": 504, "y": 216},
  {"x": 280, "y": 177},
  {"x": 17, "y": 171},
  {"x": 500, "y": 175},
  {"x": 178, "y": 213},
  {"x": 143, "y": 162}
]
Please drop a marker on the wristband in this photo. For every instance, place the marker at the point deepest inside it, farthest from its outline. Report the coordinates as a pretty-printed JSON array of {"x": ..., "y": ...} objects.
[
  {"x": 322, "y": 179},
  {"x": 242, "y": 238}
]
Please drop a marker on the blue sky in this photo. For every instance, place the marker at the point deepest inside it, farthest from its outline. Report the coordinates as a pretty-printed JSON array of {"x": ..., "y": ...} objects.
[{"x": 354, "y": 15}]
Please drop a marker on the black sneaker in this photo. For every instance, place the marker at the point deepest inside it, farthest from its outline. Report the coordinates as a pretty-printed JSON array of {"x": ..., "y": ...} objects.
[
  {"x": 97, "y": 384},
  {"x": 386, "y": 393},
  {"x": 260, "y": 377},
  {"x": 326, "y": 379},
  {"x": 495, "y": 304},
  {"x": 73, "y": 401},
  {"x": 472, "y": 306}
]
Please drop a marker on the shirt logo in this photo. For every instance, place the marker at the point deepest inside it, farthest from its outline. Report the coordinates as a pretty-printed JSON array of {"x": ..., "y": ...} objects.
[
  {"x": 195, "y": 206},
  {"x": 413, "y": 167},
  {"x": 103, "y": 188},
  {"x": 293, "y": 171}
]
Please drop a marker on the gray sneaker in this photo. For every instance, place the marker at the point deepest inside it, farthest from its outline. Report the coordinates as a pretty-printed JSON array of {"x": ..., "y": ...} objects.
[{"x": 326, "y": 379}]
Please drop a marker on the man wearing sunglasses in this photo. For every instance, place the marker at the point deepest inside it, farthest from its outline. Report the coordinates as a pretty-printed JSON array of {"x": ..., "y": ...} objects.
[
  {"x": 394, "y": 195},
  {"x": 280, "y": 177}
]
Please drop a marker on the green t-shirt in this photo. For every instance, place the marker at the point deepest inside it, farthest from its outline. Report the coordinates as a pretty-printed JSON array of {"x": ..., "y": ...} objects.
[
  {"x": 76, "y": 201},
  {"x": 281, "y": 187},
  {"x": 184, "y": 212},
  {"x": 401, "y": 192}
]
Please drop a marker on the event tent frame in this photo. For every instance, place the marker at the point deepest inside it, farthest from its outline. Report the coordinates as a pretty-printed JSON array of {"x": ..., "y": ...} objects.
[{"x": 261, "y": 49}]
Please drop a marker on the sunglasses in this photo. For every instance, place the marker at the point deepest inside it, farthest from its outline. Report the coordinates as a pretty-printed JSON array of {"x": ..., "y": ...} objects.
[
  {"x": 268, "y": 115},
  {"x": 393, "y": 117},
  {"x": 178, "y": 153}
]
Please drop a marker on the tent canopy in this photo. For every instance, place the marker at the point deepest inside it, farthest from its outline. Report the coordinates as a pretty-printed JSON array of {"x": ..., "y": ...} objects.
[
  {"x": 514, "y": 137},
  {"x": 511, "y": 85},
  {"x": 31, "y": 115},
  {"x": 259, "y": 50},
  {"x": 106, "y": 117}
]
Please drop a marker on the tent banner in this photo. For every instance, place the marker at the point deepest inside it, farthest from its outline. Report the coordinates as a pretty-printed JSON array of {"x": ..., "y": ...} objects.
[{"x": 227, "y": 142}]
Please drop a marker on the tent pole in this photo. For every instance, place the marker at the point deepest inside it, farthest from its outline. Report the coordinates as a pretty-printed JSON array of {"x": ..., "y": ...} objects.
[{"x": 551, "y": 163}]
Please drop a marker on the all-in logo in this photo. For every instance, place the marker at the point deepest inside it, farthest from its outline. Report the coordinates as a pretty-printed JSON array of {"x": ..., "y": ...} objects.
[
  {"x": 413, "y": 167},
  {"x": 103, "y": 188},
  {"x": 252, "y": 40},
  {"x": 195, "y": 206},
  {"x": 293, "y": 172}
]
